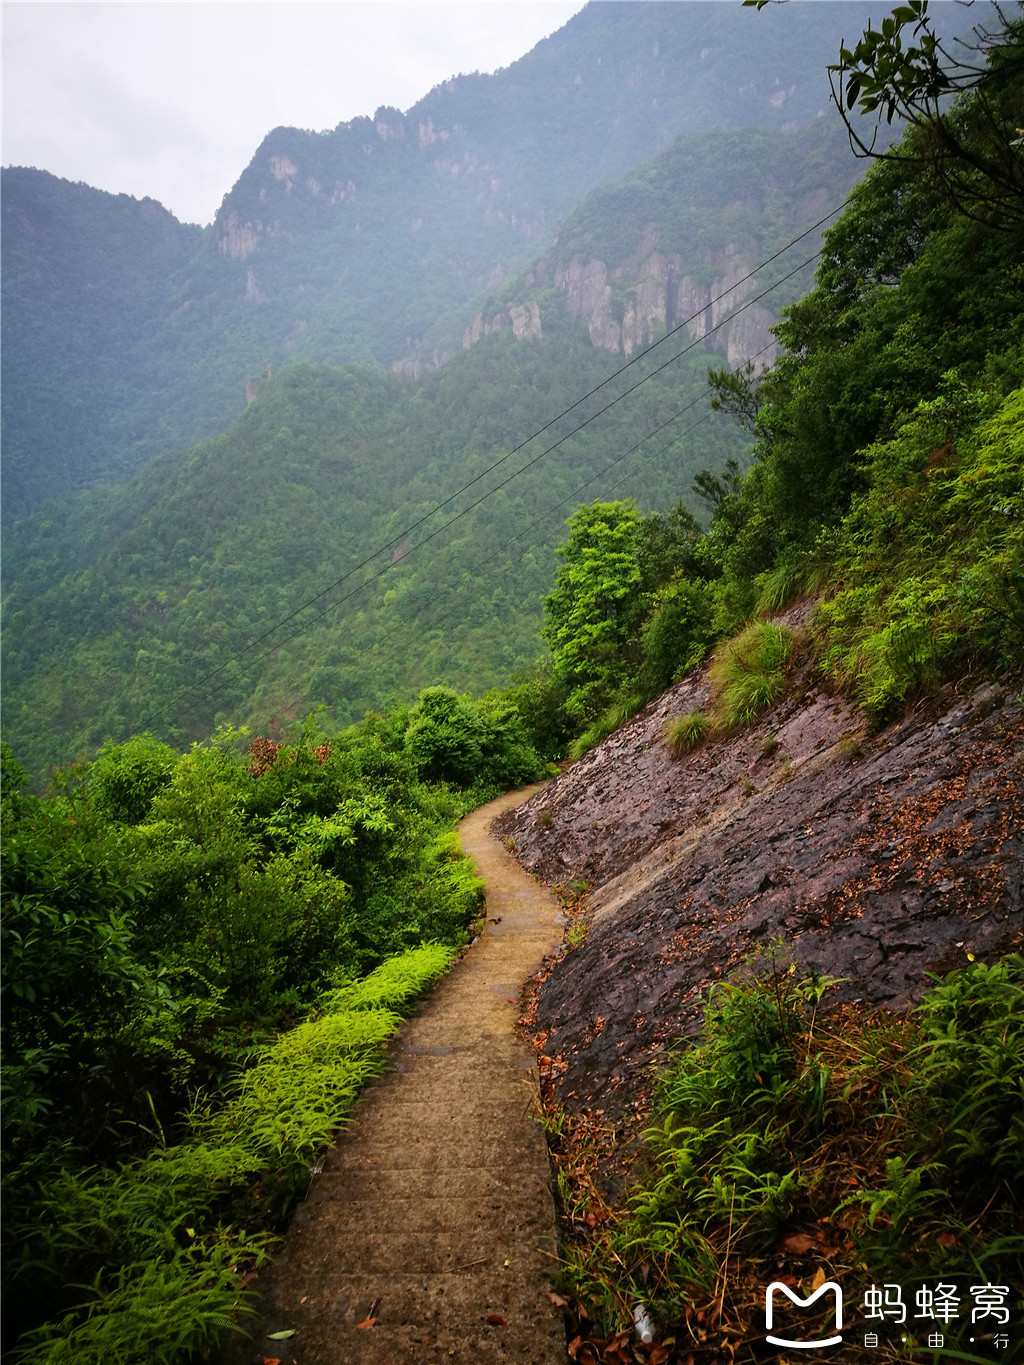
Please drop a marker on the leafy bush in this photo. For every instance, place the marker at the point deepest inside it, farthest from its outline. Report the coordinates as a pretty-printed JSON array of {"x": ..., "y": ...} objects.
[
  {"x": 931, "y": 558},
  {"x": 161, "y": 1272},
  {"x": 452, "y": 738},
  {"x": 126, "y": 777},
  {"x": 678, "y": 633}
]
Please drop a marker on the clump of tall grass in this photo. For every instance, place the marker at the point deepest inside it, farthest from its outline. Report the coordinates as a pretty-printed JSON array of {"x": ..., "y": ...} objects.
[
  {"x": 748, "y": 676},
  {"x": 685, "y": 732},
  {"x": 606, "y": 723}
]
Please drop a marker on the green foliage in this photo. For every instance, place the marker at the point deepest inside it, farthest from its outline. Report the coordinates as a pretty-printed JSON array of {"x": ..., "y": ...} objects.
[
  {"x": 159, "y": 1312},
  {"x": 678, "y": 632},
  {"x": 748, "y": 675},
  {"x": 454, "y": 739},
  {"x": 931, "y": 557},
  {"x": 886, "y": 74},
  {"x": 163, "y": 916},
  {"x": 159, "y": 1276},
  {"x": 127, "y": 777},
  {"x": 970, "y": 1072},
  {"x": 592, "y": 610},
  {"x": 610, "y": 720},
  {"x": 762, "y": 1124}
]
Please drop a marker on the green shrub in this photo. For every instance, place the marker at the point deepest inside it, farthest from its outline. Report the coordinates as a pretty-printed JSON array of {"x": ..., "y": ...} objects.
[
  {"x": 678, "y": 634},
  {"x": 158, "y": 1273},
  {"x": 126, "y": 777},
  {"x": 930, "y": 560},
  {"x": 452, "y": 738}
]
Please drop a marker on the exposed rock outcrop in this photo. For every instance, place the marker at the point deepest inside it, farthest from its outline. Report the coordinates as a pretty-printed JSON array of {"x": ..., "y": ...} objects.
[
  {"x": 238, "y": 239},
  {"x": 627, "y": 307},
  {"x": 877, "y": 859},
  {"x": 523, "y": 318}
]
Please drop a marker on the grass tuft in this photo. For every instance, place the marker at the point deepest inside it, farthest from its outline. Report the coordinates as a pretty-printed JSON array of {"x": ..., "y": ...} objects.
[
  {"x": 748, "y": 676},
  {"x": 686, "y": 732}
]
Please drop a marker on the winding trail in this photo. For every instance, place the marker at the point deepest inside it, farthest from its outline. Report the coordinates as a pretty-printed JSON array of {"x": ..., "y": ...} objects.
[{"x": 433, "y": 1213}]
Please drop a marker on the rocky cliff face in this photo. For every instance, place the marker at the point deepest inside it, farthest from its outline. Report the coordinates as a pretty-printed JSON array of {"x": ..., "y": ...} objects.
[
  {"x": 629, "y": 306},
  {"x": 878, "y": 859}
]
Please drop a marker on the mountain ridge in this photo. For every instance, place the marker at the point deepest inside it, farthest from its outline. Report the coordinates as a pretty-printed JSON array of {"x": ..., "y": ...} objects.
[{"x": 371, "y": 278}]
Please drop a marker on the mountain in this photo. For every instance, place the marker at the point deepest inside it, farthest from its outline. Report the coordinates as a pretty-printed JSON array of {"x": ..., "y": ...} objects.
[{"x": 368, "y": 244}]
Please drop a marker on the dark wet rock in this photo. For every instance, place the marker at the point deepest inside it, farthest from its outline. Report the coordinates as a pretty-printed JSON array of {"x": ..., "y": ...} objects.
[{"x": 879, "y": 859}]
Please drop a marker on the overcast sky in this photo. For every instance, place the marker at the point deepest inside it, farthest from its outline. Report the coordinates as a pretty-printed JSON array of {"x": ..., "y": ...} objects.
[{"x": 171, "y": 100}]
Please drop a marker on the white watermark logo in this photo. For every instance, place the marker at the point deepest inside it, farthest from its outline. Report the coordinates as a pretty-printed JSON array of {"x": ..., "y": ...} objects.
[{"x": 829, "y": 1287}]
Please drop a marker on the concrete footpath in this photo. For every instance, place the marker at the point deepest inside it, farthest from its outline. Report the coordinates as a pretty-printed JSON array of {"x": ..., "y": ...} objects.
[{"x": 429, "y": 1234}]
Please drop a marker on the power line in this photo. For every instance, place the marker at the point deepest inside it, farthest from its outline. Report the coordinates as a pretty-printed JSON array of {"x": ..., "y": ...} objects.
[{"x": 374, "y": 577}]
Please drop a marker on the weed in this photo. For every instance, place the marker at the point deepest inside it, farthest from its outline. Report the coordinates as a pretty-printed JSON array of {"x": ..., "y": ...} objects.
[
  {"x": 770, "y": 744},
  {"x": 576, "y": 935},
  {"x": 850, "y": 746},
  {"x": 685, "y": 732},
  {"x": 763, "y": 1124},
  {"x": 544, "y": 818},
  {"x": 748, "y": 787}
]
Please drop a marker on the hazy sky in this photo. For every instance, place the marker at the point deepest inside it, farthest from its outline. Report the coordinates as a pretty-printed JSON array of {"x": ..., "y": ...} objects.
[{"x": 171, "y": 100}]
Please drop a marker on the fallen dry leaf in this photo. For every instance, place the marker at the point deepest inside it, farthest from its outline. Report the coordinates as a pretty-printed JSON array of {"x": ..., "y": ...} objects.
[
  {"x": 366, "y": 1322},
  {"x": 798, "y": 1244},
  {"x": 557, "y": 1300},
  {"x": 659, "y": 1354},
  {"x": 497, "y": 1320},
  {"x": 819, "y": 1279}
]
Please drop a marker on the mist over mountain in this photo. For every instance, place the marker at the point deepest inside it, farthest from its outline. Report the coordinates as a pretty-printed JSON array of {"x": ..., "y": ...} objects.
[{"x": 126, "y": 333}]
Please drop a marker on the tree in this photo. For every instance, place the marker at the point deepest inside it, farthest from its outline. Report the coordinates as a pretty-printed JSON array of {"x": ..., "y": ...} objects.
[
  {"x": 595, "y": 607},
  {"x": 973, "y": 148}
]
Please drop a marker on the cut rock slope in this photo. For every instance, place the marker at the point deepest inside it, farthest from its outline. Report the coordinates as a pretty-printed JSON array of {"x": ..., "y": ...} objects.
[{"x": 877, "y": 859}]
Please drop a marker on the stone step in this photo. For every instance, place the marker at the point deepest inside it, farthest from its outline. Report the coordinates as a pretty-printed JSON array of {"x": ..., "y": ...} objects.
[
  {"x": 468, "y": 1182},
  {"x": 422, "y": 1317},
  {"x": 473, "y": 1343},
  {"x": 394, "y": 1147},
  {"x": 519, "y": 1213}
]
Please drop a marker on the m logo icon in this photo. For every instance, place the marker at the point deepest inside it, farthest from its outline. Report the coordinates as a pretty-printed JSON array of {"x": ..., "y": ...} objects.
[{"x": 829, "y": 1286}]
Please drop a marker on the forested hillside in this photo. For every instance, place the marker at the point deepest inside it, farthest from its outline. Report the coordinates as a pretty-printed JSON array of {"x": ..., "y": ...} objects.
[{"x": 122, "y": 601}]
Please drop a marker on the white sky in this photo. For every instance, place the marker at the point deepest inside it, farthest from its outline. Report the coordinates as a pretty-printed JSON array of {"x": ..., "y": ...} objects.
[{"x": 171, "y": 100}]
